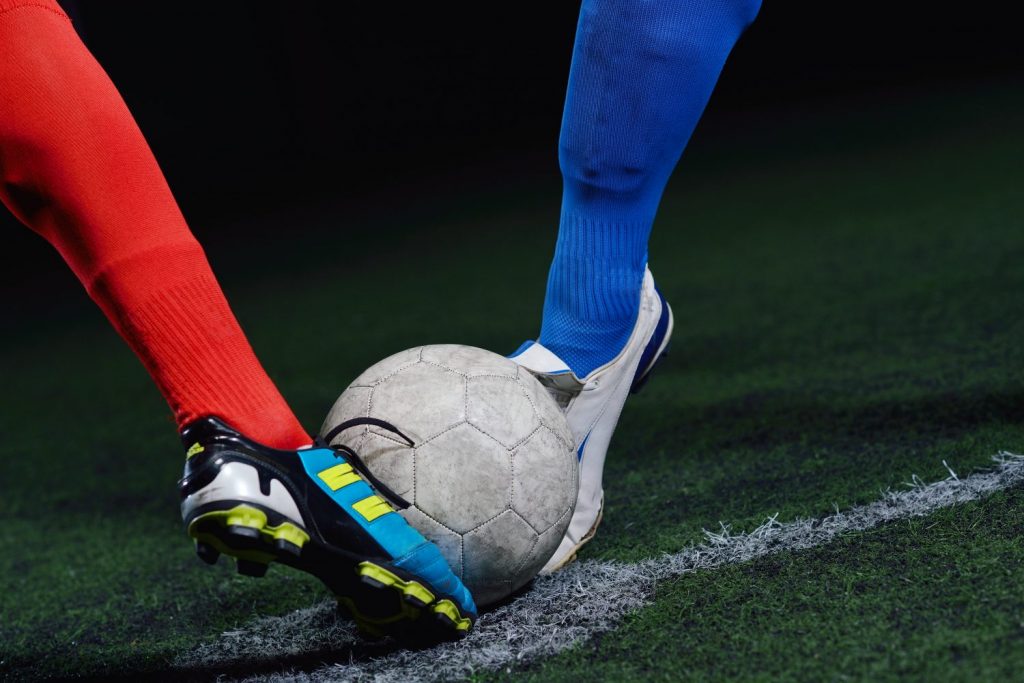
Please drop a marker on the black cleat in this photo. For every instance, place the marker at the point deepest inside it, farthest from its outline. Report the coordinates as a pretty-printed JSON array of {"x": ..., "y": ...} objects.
[{"x": 314, "y": 509}]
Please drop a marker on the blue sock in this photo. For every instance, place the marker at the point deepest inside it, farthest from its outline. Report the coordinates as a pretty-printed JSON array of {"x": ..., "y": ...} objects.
[{"x": 642, "y": 72}]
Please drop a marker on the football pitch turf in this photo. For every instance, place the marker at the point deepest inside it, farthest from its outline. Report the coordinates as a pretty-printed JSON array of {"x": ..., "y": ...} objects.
[{"x": 848, "y": 284}]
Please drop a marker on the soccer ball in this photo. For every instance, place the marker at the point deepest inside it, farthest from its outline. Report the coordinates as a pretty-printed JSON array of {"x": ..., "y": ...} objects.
[{"x": 493, "y": 476}]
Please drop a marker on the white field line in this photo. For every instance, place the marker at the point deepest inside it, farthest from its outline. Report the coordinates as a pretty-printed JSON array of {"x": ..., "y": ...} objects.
[{"x": 574, "y": 604}]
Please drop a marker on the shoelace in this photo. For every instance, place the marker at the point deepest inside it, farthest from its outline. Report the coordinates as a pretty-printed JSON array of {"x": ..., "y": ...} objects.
[{"x": 341, "y": 450}]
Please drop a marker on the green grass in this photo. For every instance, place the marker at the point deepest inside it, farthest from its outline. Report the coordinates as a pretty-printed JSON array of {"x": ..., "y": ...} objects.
[
  {"x": 848, "y": 292},
  {"x": 935, "y": 599}
]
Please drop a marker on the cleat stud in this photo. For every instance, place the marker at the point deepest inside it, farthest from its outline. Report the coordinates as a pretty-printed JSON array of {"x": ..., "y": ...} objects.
[
  {"x": 449, "y": 614},
  {"x": 417, "y": 595},
  {"x": 250, "y": 568},
  {"x": 372, "y": 582},
  {"x": 375, "y": 576},
  {"x": 449, "y": 627},
  {"x": 288, "y": 547},
  {"x": 246, "y": 516},
  {"x": 243, "y": 532},
  {"x": 414, "y": 601},
  {"x": 291, "y": 534},
  {"x": 207, "y": 553}
]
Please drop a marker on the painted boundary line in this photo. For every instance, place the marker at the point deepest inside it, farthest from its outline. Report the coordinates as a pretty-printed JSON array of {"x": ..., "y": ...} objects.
[{"x": 574, "y": 604}]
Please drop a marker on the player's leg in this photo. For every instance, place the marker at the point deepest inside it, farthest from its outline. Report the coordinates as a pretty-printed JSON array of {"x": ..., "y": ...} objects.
[
  {"x": 641, "y": 75},
  {"x": 75, "y": 168}
]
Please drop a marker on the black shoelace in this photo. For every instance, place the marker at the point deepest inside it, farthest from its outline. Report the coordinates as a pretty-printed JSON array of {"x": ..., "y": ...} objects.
[{"x": 357, "y": 462}]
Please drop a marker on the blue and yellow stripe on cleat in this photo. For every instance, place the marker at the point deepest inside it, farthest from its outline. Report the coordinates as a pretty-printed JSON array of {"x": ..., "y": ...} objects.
[
  {"x": 372, "y": 507},
  {"x": 338, "y": 476}
]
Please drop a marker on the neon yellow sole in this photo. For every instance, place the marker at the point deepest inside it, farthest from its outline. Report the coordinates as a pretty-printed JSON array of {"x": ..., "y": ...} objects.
[
  {"x": 409, "y": 589},
  {"x": 412, "y": 589},
  {"x": 415, "y": 597},
  {"x": 250, "y": 518}
]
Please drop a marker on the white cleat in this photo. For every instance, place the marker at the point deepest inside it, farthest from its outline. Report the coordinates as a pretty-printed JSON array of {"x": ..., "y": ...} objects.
[{"x": 592, "y": 405}]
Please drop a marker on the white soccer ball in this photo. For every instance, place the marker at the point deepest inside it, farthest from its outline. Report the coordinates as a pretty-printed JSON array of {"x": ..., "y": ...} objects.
[{"x": 493, "y": 476}]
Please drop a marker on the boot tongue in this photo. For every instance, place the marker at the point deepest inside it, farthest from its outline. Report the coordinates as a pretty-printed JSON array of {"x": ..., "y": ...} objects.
[{"x": 547, "y": 367}]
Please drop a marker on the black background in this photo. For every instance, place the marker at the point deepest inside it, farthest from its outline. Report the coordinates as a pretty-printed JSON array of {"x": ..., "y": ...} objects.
[{"x": 259, "y": 106}]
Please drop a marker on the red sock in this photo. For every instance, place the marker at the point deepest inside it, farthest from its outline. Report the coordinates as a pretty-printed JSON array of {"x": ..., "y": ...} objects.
[{"x": 75, "y": 168}]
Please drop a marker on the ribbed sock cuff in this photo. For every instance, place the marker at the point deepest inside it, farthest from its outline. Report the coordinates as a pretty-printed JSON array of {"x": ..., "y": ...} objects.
[
  {"x": 169, "y": 308},
  {"x": 598, "y": 268},
  {"x": 593, "y": 291}
]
